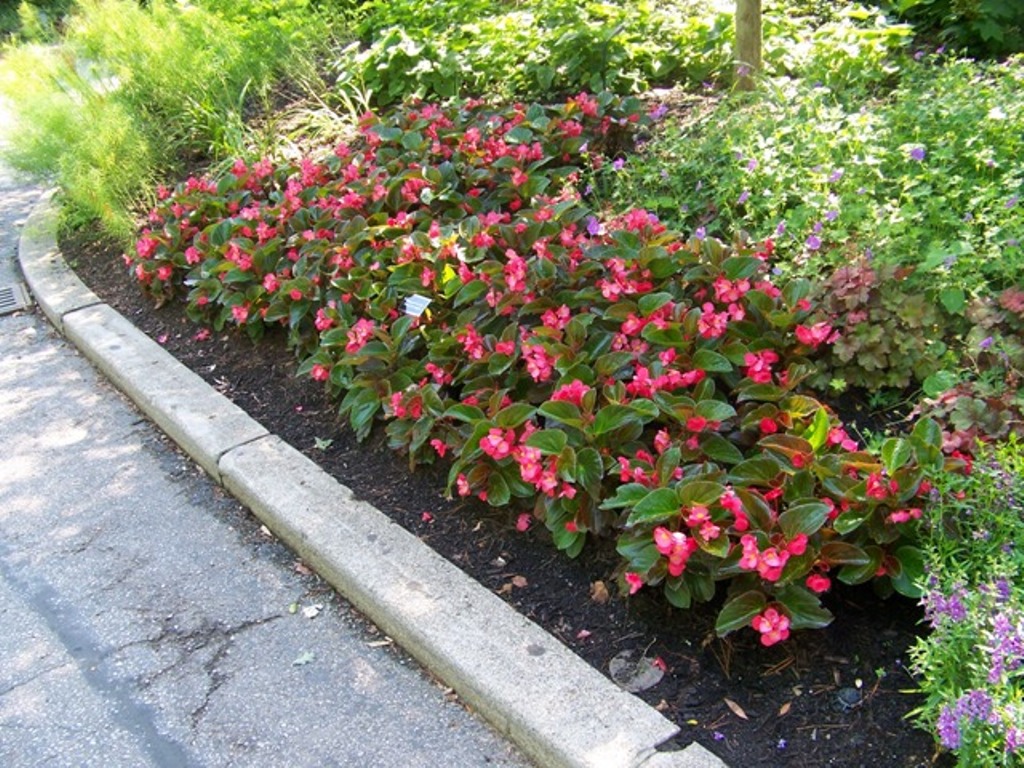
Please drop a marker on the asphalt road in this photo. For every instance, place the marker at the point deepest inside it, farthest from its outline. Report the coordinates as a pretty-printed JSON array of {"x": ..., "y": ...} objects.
[{"x": 145, "y": 617}]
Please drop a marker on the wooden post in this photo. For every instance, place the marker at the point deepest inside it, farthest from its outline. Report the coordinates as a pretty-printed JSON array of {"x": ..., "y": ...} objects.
[{"x": 748, "y": 42}]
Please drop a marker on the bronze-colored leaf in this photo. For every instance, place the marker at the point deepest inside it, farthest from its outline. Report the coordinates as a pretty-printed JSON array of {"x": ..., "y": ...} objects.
[{"x": 736, "y": 709}]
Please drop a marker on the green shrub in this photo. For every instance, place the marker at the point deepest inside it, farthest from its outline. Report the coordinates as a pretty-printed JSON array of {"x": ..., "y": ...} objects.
[{"x": 987, "y": 28}]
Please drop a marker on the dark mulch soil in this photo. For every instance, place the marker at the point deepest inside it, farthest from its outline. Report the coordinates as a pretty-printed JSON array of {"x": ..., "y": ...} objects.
[{"x": 833, "y": 697}]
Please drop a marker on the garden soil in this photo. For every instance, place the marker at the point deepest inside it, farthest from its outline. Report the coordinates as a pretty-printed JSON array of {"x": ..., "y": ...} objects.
[{"x": 833, "y": 697}]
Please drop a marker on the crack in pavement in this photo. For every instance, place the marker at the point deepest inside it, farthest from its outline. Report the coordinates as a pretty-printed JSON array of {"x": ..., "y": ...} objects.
[{"x": 81, "y": 644}]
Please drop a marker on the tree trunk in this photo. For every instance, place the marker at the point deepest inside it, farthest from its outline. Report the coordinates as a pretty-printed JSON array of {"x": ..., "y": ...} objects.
[{"x": 748, "y": 42}]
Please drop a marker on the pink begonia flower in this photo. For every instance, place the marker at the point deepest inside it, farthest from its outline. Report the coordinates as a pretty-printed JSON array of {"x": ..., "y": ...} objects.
[
  {"x": 759, "y": 365},
  {"x": 439, "y": 446},
  {"x": 635, "y": 582},
  {"x": 773, "y": 626},
  {"x": 524, "y": 521},
  {"x": 571, "y": 393},
  {"x": 676, "y": 546},
  {"x": 497, "y": 443},
  {"x": 359, "y": 334},
  {"x": 240, "y": 312},
  {"x": 818, "y": 583},
  {"x": 818, "y": 333},
  {"x": 320, "y": 372}
]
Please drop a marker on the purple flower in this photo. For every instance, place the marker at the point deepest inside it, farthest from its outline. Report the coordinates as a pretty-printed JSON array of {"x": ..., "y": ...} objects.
[
  {"x": 948, "y": 726},
  {"x": 664, "y": 173},
  {"x": 780, "y": 230},
  {"x": 619, "y": 163},
  {"x": 593, "y": 226},
  {"x": 918, "y": 55},
  {"x": 659, "y": 112},
  {"x": 818, "y": 226},
  {"x": 1014, "y": 740},
  {"x": 813, "y": 243},
  {"x": 985, "y": 343},
  {"x": 917, "y": 153},
  {"x": 831, "y": 215},
  {"x": 584, "y": 147},
  {"x": 837, "y": 174},
  {"x": 781, "y": 744},
  {"x": 1011, "y": 202},
  {"x": 718, "y": 735},
  {"x": 743, "y": 197},
  {"x": 752, "y": 165},
  {"x": 700, "y": 233}
]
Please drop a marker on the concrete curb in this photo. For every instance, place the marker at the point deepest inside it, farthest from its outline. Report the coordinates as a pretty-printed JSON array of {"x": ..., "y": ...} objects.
[{"x": 533, "y": 689}]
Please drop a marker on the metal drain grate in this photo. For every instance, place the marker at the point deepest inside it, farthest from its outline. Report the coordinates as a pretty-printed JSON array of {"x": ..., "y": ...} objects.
[{"x": 13, "y": 298}]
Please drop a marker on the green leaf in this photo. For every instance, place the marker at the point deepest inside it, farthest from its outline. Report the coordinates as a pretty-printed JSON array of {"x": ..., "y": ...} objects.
[
  {"x": 640, "y": 551},
  {"x": 804, "y": 608},
  {"x": 806, "y": 517},
  {"x": 678, "y": 595},
  {"x": 953, "y": 299},
  {"x": 760, "y": 470},
  {"x": 514, "y": 415},
  {"x": 612, "y": 417},
  {"x": 589, "y": 470},
  {"x": 939, "y": 382},
  {"x": 700, "y": 493},
  {"x": 817, "y": 435},
  {"x": 626, "y": 495},
  {"x": 470, "y": 292},
  {"x": 717, "y": 448},
  {"x": 652, "y": 302},
  {"x": 560, "y": 410},
  {"x": 463, "y": 412},
  {"x": 895, "y": 452},
  {"x": 910, "y": 580},
  {"x": 549, "y": 441},
  {"x": 658, "y": 505},
  {"x": 843, "y": 553},
  {"x": 740, "y": 267},
  {"x": 738, "y": 612},
  {"x": 715, "y": 410},
  {"x": 498, "y": 494},
  {"x": 858, "y": 574},
  {"x": 849, "y": 521},
  {"x": 712, "y": 362}
]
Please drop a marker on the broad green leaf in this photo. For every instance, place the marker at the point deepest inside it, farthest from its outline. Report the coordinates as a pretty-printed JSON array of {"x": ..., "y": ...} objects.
[
  {"x": 760, "y": 470},
  {"x": 817, "y": 435},
  {"x": 858, "y": 574},
  {"x": 678, "y": 595},
  {"x": 849, "y": 521},
  {"x": 498, "y": 494},
  {"x": 712, "y": 362},
  {"x": 806, "y": 517},
  {"x": 589, "y": 469},
  {"x": 653, "y": 302},
  {"x": 626, "y": 495},
  {"x": 804, "y": 608},
  {"x": 911, "y": 578},
  {"x": 560, "y": 410},
  {"x": 549, "y": 441},
  {"x": 718, "y": 449},
  {"x": 895, "y": 452},
  {"x": 612, "y": 417},
  {"x": 715, "y": 410},
  {"x": 658, "y": 505},
  {"x": 843, "y": 553},
  {"x": 514, "y": 415},
  {"x": 738, "y": 612},
  {"x": 463, "y": 412},
  {"x": 701, "y": 493},
  {"x": 640, "y": 551}
]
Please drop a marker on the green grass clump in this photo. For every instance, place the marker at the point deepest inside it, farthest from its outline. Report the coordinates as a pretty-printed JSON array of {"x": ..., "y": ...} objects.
[{"x": 128, "y": 94}]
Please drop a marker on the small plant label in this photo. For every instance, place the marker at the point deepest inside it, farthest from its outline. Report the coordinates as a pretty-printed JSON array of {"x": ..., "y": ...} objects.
[{"x": 416, "y": 305}]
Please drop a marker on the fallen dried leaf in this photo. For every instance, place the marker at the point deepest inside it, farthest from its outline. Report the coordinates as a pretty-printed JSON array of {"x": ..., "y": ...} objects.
[
  {"x": 583, "y": 634},
  {"x": 312, "y": 611},
  {"x": 301, "y": 567},
  {"x": 736, "y": 709},
  {"x": 661, "y": 706},
  {"x": 505, "y": 589},
  {"x": 784, "y": 709},
  {"x": 599, "y": 592},
  {"x": 386, "y": 642},
  {"x": 519, "y": 581}
]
